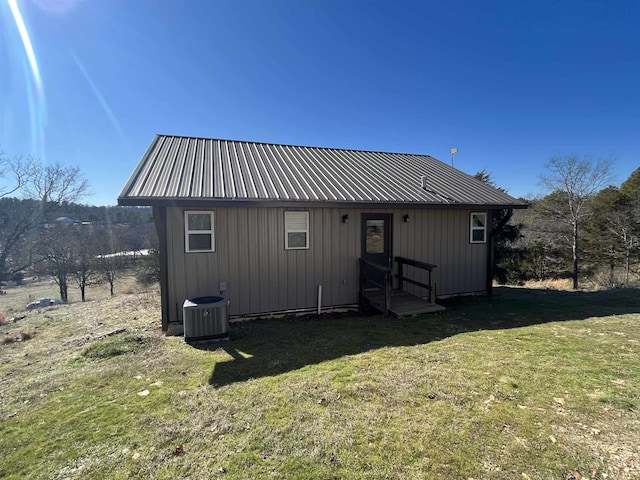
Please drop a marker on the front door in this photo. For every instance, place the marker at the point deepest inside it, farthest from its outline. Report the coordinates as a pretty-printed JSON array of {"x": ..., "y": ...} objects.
[{"x": 376, "y": 245}]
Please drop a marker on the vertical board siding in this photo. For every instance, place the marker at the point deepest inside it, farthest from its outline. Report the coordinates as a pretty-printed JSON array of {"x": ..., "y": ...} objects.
[
  {"x": 255, "y": 257},
  {"x": 261, "y": 276},
  {"x": 272, "y": 246}
]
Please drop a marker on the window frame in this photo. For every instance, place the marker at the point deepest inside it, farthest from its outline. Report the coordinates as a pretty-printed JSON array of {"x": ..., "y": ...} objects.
[
  {"x": 473, "y": 228},
  {"x": 287, "y": 230},
  {"x": 188, "y": 232}
]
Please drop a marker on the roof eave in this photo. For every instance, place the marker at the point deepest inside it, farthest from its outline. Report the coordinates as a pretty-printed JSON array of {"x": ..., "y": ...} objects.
[{"x": 275, "y": 203}]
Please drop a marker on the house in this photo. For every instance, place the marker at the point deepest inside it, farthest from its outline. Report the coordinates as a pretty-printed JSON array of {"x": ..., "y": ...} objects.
[{"x": 279, "y": 228}]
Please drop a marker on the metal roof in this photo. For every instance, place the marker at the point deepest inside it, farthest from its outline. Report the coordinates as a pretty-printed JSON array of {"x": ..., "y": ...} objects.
[{"x": 179, "y": 169}]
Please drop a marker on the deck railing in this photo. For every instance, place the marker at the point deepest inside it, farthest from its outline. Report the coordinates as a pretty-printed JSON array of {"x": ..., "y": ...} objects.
[
  {"x": 402, "y": 261},
  {"x": 366, "y": 267}
]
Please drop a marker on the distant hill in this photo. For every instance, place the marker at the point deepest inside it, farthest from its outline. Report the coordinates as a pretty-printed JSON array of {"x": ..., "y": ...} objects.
[
  {"x": 112, "y": 215},
  {"x": 85, "y": 213}
]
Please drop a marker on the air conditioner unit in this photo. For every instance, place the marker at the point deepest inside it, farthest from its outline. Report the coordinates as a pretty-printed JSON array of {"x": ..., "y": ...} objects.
[{"x": 206, "y": 318}]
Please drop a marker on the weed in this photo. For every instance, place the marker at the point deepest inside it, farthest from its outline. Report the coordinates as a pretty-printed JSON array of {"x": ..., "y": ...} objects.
[
  {"x": 7, "y": 339},
  {"x": 27, "y": 334}
]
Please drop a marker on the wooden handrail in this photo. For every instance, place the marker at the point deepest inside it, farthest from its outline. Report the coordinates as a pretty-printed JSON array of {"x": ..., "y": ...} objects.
[
  {"x": 388, "y": 279},
  {"x": 402, "y": 261},
  {"x": 416, "y": 263},
  {"x": 377, "y": 266}
]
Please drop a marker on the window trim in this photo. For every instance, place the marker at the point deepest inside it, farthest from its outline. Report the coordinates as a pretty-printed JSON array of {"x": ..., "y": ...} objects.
[
  {"x": 188, "y": 232},
  {"x": 473, "y": 228},
  {"x": 287, "y": 230}
]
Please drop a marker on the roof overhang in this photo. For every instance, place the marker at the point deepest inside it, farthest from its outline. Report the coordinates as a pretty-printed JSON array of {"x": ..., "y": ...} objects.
[{"x": 270, "y": 203}]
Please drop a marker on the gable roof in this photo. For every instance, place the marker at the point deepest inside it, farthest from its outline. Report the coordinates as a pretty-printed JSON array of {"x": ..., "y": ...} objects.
[{"x": 185, "y": 171}]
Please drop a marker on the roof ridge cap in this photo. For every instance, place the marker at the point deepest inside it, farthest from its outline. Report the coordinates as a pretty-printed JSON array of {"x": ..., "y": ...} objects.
[{"x": 315, "y": 147}]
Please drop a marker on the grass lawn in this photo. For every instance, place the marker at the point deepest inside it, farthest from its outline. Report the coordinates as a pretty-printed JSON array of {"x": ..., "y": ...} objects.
[{"x": 532, "y": 384}]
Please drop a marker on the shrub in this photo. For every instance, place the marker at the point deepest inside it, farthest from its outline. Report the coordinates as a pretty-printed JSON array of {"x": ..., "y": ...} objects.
[
  {"x": 148, "y": 271},
  {"x": 606, "y": 279},
  {"x": 7, "y": 339}
]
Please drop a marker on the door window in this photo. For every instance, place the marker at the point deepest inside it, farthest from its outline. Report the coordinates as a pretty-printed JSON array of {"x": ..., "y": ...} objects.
[{"x": 374, "y": 236}]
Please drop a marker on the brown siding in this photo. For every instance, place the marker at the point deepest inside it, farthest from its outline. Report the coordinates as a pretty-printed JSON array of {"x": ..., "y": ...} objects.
[{"x": 261, "y": 276}]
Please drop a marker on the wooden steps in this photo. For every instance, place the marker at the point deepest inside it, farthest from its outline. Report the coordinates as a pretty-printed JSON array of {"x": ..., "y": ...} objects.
[{"x": 403, "y": 304}]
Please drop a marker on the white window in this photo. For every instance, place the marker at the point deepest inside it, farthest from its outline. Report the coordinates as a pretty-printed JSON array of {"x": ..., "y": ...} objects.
[
  {"x": 198, "y": 231},
  {"x": 296, "y": 230},
  {"x": 478, "y": 228}
]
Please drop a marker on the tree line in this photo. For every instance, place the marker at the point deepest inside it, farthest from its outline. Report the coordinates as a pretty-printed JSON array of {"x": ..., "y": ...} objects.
[
  {"x": 584, "y": 227},
  {"x": 45, "y": 231}
]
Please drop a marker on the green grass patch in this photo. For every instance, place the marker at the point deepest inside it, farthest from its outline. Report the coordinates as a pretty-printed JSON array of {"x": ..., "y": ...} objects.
[
  {"x": 622, "y": 402},
  {"x": 119, "y": 344},
  {"x": 526, "y": 385}
]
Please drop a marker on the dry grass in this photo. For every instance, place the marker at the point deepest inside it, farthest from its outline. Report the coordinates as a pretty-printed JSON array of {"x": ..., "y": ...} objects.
[
  {"x": 7, "y": 339},
  {"x": 560, "y": 284},
  {"x": 605, "y": 280},
  {"x": 598, "y": 282},
  {"x": 3, "y": 318},
  {"x": 17, "y": 297}
]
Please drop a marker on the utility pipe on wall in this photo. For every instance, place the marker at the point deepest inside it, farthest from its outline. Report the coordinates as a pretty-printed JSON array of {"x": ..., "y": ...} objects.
[{"x": 319, "y": 298}]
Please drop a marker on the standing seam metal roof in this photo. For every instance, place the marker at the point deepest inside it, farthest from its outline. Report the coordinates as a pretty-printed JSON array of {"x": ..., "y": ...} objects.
[{"x": 175, "y": 168}]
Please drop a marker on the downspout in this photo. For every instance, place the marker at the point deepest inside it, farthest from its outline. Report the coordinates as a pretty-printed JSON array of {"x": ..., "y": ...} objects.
[{"x": 319, "y": 298}]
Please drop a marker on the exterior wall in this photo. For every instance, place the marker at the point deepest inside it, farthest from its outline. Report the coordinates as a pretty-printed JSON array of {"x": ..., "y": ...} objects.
[{"x": 261, "y": 276}]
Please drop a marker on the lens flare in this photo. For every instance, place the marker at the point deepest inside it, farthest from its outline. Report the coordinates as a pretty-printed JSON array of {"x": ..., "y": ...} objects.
[
  {"x": 36, "y": 100},
  {"x": 103, "y": 102},
  {"x": 26, "y": 41}
]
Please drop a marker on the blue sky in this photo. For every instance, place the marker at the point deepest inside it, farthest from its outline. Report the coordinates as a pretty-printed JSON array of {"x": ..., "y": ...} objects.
[{"x": 509, "y": 83}]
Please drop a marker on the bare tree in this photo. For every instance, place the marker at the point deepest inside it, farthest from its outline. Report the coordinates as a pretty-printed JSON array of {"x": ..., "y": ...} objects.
[
  {"x": 111, "y": 264},
  {"x": 48, "y": 186},
  {"x": 16, "y": 243},
  {"x": 545, "y": 241},
  {"x": 14, "y": 174},
  {"x": 612, "y": 233},
  {"x": 573, "y": 180},
  {"x": 54, "y": 184},
  {"x": 110, "y": 257},
  {"x": 622, "y": 226},
  {"x": 85, "y": 269},
  {"x": 58, "y": 252}
]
